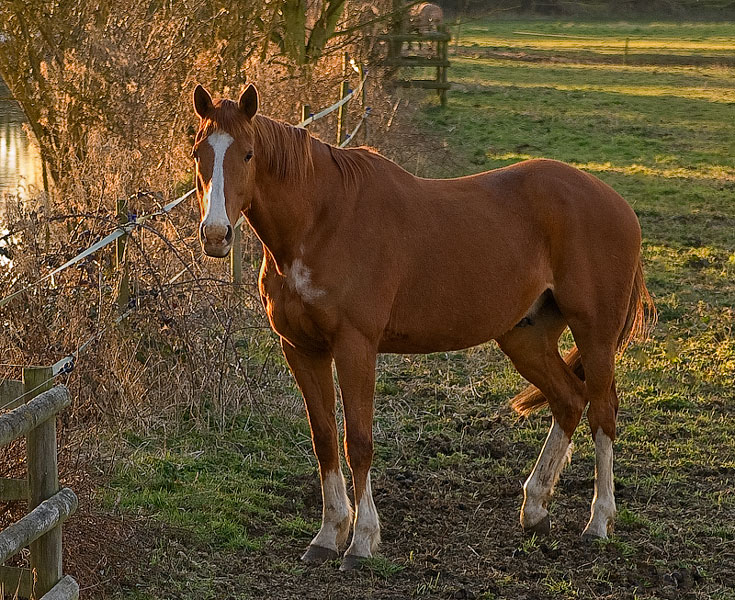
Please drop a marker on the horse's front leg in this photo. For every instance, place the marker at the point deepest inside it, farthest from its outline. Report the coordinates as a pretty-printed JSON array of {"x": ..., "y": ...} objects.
[
  {"x": 354, "y": 357},
  {"x": 313, "y": 373}
]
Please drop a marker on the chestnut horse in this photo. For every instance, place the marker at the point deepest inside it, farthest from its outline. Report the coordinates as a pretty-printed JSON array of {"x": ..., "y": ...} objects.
[{"x": 362, "y": 257}]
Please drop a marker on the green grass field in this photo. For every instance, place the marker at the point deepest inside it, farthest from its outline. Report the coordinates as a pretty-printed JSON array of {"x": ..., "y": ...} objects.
[{"x": 234, "y": 508}]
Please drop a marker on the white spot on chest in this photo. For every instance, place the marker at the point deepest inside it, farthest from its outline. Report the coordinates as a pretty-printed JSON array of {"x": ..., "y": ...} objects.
[{"x": 298, "y": 278}]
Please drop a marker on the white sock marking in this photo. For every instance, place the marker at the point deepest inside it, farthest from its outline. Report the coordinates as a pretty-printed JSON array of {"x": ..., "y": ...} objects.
[
  {"x": 336, "y": 512},
  {"x": 214, "y": 195},
  {"x": 366, "y": 536},
  {"x": 603, "y": 503},
  {"x": 540, "y": 484}
]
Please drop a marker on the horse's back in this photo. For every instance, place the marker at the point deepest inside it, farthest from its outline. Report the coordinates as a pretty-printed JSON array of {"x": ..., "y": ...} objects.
[{"x": 477, "y": 251}]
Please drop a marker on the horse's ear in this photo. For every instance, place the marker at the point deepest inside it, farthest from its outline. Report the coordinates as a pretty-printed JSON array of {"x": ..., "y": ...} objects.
[
  {"x": 248, "y": 102},
  {"x": 202, "y": 101}
]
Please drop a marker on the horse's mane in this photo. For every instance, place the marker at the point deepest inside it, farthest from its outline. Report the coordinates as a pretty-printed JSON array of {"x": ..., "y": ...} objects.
[{"x": 283, "y": 149}]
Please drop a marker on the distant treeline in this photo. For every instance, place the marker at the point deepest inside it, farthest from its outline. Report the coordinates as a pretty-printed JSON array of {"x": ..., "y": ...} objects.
[{"x": 596, "y": 8}]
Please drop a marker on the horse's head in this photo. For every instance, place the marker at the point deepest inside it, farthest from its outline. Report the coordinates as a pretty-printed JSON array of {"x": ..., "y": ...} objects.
[{"x": 222, "y": 153}]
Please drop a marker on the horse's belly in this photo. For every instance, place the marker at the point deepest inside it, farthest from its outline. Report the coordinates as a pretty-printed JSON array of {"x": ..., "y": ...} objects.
[
  {"x": 461, "y": 305},
  {"x": 437, "y": 328},
  {"x": 400, "y": 343}
]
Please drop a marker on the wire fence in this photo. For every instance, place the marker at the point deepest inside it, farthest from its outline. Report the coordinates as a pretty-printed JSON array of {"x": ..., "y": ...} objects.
[{"x": 134, "y": 223}]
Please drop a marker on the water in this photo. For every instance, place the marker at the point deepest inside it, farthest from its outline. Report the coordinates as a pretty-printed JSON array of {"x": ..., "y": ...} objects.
[{"x": 20, "y": 162}]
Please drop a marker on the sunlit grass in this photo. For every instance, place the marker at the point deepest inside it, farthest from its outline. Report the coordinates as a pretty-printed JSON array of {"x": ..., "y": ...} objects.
[
  {"x": 712, "y": 83},
  {"x": 715, "y": 172},
  {"x": 663, "y": 137},
  {"x": 526, "y": 41},
  {"x": 710, "y": 39}
]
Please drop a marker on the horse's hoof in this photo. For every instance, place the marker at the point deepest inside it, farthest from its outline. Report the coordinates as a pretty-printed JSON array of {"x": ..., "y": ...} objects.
[
  {"x": 589, "y": 538},
  {"x": 352, "y": 562},
  {"x": 543, "y": 527},
  {"x": 317, "y": 555}
]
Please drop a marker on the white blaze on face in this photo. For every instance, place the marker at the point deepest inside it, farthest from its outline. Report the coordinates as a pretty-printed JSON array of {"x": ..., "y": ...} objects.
[{"x": 214, "y": 195}]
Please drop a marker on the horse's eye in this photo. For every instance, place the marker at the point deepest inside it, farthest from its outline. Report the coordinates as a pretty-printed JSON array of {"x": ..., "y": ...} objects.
[
  {"x": 248, "y": 156},
  {"x": 195, "y": 155}
]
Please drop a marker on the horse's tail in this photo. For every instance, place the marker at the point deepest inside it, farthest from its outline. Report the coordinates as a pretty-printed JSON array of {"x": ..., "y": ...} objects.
[
  {"x": 639, "y": 321},
  {"x": 642, "y": 314}
]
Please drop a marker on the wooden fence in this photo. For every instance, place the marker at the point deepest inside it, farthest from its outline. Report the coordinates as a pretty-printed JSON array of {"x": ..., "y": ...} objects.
[{"x": 35, "y": 405}]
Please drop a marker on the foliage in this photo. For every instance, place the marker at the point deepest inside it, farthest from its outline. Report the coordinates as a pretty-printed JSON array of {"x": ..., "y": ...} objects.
[
  {"x": 79, "y": 66},
  {"x": 107, "y": 87},
  {"x": 305, "y": 44},
  {"x": 82, "y": 66}
]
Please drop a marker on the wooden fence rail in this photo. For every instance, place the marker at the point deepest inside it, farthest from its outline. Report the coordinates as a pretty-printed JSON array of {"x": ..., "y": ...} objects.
[
  {"x": 34, "y": 416},
  {"x": 40, "y": 520}
]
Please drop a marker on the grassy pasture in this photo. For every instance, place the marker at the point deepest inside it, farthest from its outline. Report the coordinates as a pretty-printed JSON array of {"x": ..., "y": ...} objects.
[
  {"x": 234, "y": 508},
  {"x": 603, "y": 41}
]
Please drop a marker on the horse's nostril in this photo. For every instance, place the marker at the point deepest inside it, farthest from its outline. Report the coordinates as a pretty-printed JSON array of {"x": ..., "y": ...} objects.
[
  {"x": 228, "y": 235},
  {"x": 202, "y": 235}
]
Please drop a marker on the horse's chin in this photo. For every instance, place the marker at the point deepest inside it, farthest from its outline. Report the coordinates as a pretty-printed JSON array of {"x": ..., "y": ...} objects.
[{"x": 216, "y": 251}]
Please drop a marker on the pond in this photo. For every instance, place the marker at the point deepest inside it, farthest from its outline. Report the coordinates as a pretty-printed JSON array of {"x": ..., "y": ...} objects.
[{"x": 20, "y": 163}]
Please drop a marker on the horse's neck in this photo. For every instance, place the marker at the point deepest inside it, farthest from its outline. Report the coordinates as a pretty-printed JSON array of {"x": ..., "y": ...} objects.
[{"x": 284, "y": 213}]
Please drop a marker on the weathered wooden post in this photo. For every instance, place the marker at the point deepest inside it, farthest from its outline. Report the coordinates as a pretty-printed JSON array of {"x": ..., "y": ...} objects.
[
  {"x": 123, "y": 290},
  {"x": 343, "y": 91},
  {"x": 236, "y": 256},
  {"x": 456, "y": 40},
  {"x": 363, "y": 102},
  {"x": 396, "y": 26},
  {"x": 43, "y": 482},
  {"x": 442, "y": 74}
]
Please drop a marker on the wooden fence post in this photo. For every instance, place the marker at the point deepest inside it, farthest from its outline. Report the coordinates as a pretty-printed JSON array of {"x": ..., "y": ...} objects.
[
  {"x": 236, "y": 256},
  {"x": 363, "y": 102},
  {"x": 443, "y": 48},
  {"x": 305, "y": 112},
  {"x": 343, "y": 91},
  {"x": 396, "y": 26},
  {"x": 43, "y": 482},
  {"x": 123, "y": 291}
]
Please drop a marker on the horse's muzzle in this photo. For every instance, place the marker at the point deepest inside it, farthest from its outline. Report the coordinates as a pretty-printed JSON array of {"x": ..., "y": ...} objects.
[
  {"x": 216, "y": 239},
  {"x": 216, "y": 251}
]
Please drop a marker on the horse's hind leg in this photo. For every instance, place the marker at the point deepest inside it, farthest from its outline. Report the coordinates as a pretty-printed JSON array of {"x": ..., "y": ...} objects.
[
  {"x": 596, "y": 334},
  {"x": 602, "y": 423},
  {"x": 599, "y": 368},
  {"x": 313, "y": 374},
  {"x": 533, "y": 348}
]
